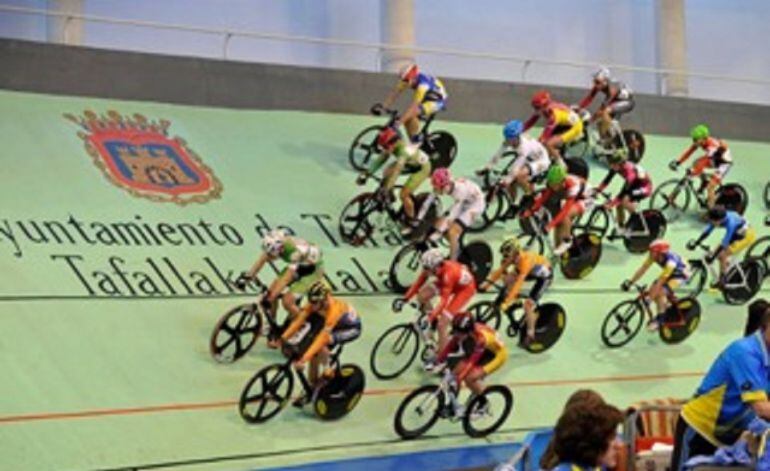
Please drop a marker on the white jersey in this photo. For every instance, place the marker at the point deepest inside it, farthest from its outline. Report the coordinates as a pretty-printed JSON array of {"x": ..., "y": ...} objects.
[{"x": 469, "y": 201}]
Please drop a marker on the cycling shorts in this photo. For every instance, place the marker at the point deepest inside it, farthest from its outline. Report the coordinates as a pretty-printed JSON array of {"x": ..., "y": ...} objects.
[
  {"x": 741, "y": 241},
  {"x": 620, "y": 107},
  {"x": 305, "y": 276},
  {"x": 460, "y": 298},
  {"x": 636, "y": 191},
  {"x": 415, "y": 180},
  {"x": 720, "y": 167},
  {"x": 430, "y": 107},
  {"x": 542, "y": 279}
]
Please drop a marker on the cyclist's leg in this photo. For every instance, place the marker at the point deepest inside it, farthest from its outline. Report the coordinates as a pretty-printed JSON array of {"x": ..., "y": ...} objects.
[
  {"x": 715, "y": 181},
  {"x": 489, "y": 363},
  {"x": 737, "y": 244},
  {"x": 303, "y": 279},
  {"x": 543, "y": 278},
  {"x": 412, "y": 183},
  {"x": 453, "y": 235}
]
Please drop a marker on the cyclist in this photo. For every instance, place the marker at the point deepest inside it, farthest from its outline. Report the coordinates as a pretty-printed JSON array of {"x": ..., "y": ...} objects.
[
  {"x": 574, "y": 193},
  {"x": 637, "y": 186},
  {"x": 304, "y": 267},
  {"x": 618, "y": 100},
  {"x": 531, "y": 159},
  {"x": 675, "y": 272},
  {"x": 483, "y": 353},
  {"x": 429, "y": 97},
  {"x": 341, "y": 325},
  {"x": 738, "y": 236},
  {"x": 563, "y": 125},
  {"x": 469, "y": 204},
  {"x": 390, "y": 141},
  {"x": 454, "y": 284},
  {"x": 519, "y": 266},
  {"x": 717, "y": 156}
]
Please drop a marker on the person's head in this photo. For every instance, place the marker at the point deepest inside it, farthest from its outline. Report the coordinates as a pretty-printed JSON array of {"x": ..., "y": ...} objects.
[
  {"x": 541, "y": 99},
  {"x": 758, "y": 318},
  {"x": 586, "y": 435},
  {"x": 388, "y": 138},
  {"x": 431, "y": 259},
  {"x": 318, "y": 294},
  {"x": 584, "y": 398},
  {"x": 602, "y": 77},
  {"x": 441, "y": 180},
  {"x": 462, "y": 323},
  {"x": 699, "y": 134},
  {"x": 510, "y": 248},
  {"x": 272, "y": 242},
  {"x": 408, "y": 73},
  {"x": 658, "y": 249},
  {"x": 512, "y": 132},
  {"x": 616, "y": 160},
  {"x": 716, "y": 215},
  {"x": 556, "y": 176}
]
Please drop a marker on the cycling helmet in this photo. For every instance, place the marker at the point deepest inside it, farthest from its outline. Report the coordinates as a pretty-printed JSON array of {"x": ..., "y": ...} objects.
[
  {"x": 387, "y": 138},
  {"x": 431, "y": 259},
  {"x": 556, "y": 174},
  {"x": 510, "y": 246},
  {"x": 440, "y": 178},
  {"x": 717, "y": 213},
  {"x": 701, "y": 131},
  {"x": 541, "y": 99},
  {"x": 408, "y": 72},
  {"x": 462, "y": 322},
  {"x": 272, "y": 242},
  {"x": 602, "y": 74},
  {"x": 659, "y": 246},
  {"x": 513, "y": 129},
  {"x": 317, "y": 292}
]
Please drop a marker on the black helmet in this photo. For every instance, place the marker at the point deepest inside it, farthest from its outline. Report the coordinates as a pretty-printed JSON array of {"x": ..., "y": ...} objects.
[
  {"x": 717, "y": 213},
  {"x": 462, "y": 322}
]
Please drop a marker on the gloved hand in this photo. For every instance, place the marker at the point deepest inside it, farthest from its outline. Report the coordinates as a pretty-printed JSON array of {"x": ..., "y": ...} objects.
[
  {"x": 361, "y": 179},
  {"x": 377, "y": 109},
  {"x": 626, "y": 285},
  {"x": 691, "y": 244},
  {"x": 673, "y": 165},
  {"x": 712, "y": 256},
  {"x": 398, "y": 304}
]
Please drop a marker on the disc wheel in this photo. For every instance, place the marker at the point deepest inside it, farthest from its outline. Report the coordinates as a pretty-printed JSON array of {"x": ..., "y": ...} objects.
[
  {"x": 266, "y": 393},
  {"x": 550, "y": 324},
  {"x": 733, "y": 197},
  {"x": 622, "y": 324},
  {"x": 760, "y": 250},
  {"x": 394, "y": 351},
  {"x": 418, "y": 411},
  {"x": 481, "y": 419},
  {"x": 441, "y": 147},
  {"x": 235, "y": 333},
  {"x": 655, "y": 223},
  {"x": 672, "y": 198}
]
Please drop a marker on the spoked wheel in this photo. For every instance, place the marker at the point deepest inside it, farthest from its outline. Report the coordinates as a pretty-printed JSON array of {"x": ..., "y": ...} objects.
[
  {"x": 394, "y": 351},
  {"x": 355, "y": 225},
  {"x": 767, "y": 195},
  {"x": 441, "y": 147},
  {"x": 582, "y": 257},
  {"x": 641, "y": 230},
  {"x": 597, "y": 222},
  {"x": 743, "y": 281},
  {"x": 419, "y": 411},
  {"x": 486, "y": 412},
  {"x": 694, "y": 286},
  {"x": 266, "y": 393},
  {"x": 531, "y": 242},
  {"x": 622, "y": 324},
  {"x": 634, "y": 144},
  {"x": 733, "y": 197},
  {"x": 405, "y": 267},
  {"x": 671, "y": 198},
  {"x": 364, "y": 146},
  {"x": 487, "y": 312},
  {"x": 550, "y": 324},
  {"x": 235, "y": 333},
  {"x": 760, "y": 250}
]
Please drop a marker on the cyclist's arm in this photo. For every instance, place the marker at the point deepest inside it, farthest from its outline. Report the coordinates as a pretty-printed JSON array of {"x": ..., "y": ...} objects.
[
  {"x": 607, "y": 179},
  {"x": 297, "y": 323},
  {"x": 377, "y": 163},
  {"x": 324, "y": 337},
  {"x": 686, "y": 154},
  {"x": 425, "y": 206},
  {"x": 642, "y": 270},
  {"x": 445, "y": 292},
  {"x": 394, "y": 93},
  {"x": 496, "y": 157},
  {"x": 521, "y": 275},
  {"x": 531, "y": 121},
  {"x": 416, "y": 285},
  {"x": 473, "y": 359},
  {"x": 706, "y": 232},
  {"x": 563, "y": 212},
  {"x": 588, "y": 98},
  {"x": 495, "y": 275},
  {"x": 541, "y": 199},
  {"x": 255, "y": 269}
]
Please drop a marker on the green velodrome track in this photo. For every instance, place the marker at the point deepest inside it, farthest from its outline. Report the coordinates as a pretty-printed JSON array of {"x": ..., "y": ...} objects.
[{"x": 93, "y": 377}]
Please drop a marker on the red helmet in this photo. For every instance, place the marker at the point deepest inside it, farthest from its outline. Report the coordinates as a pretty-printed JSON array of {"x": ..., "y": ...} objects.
[
  {"x": 387, "y": 138},
  {"x": 409, "y": 72},
  {"x": 659, "y": 246},
  {"x": 462, "y": 322},
  {"x": 541, "y": 99},
  {"x": 440, "y": 178}
]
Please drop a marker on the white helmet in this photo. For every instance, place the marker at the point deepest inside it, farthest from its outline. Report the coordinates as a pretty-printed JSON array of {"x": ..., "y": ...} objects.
[
  {"x": 602, "y": 74},
  {"x": 272, "y": 242},
  {"x": 431, "y": 259}
]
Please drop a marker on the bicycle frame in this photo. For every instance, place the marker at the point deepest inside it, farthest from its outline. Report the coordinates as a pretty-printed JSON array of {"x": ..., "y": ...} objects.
[
  {"x": 643, "y": 300},
  {"x": 445, "y": 389},
  {"x": 733, "y": 264}
]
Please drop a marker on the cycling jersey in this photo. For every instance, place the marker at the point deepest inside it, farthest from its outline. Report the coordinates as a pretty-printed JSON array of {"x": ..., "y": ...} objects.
[
  {"x": 341, "y": 324},
  {"x": 560, "y": 119},
  {"x": 614, "y": 92},
  {"x": 573, "y": 194},
  {"x": 715, "y": 149},
  {"x": 528, "y": 266},
  {"x": 673, "y": 266},
  {"x": 530, "y": 152},
  {"x": 735, "y": 226},
  {"x": 469, "y": 203},
  {"x": 637, "y": 183},
  {"x": 480, "y": 347},
  {"x": 305, "y": 260},
  {"x": 455, "y": 284},
  {"x": 429, "y": 93},
  {"x": 416, "y": 159}
]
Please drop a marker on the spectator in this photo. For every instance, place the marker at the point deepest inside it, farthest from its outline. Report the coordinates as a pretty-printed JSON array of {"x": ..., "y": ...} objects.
[
  {"x": 759, "y": 311},
  {"x": 586, "y": 437},
  {"x": 731, "y": 394},
  {"x": 587, "y": 398}
]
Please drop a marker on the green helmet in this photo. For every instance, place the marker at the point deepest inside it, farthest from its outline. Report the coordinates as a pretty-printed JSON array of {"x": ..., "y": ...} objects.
[
  {"x": 510, "y": 246},
  {"x": 617, "y": 157},
  {"x": 699, "y": 132},
  {"x": 556, "y": 174}
]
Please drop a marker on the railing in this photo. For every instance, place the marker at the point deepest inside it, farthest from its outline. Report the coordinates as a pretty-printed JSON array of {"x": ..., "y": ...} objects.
[{"x": 525, "y": 63}]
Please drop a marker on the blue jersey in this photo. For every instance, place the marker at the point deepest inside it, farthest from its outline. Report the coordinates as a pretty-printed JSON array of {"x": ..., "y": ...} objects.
[{"x": 735, "y": 228}]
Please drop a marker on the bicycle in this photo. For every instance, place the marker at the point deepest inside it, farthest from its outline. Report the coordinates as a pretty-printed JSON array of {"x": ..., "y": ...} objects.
[
  {"x": 760, "y": 250},
  {"x": 550, "y": 324},
  {"x": 431, "y": 402},
  {"x": 589, "y": 142},
  {"x": 624, "y": 321},
  {"x": 371, "y": 210},
  {"x": 440, "y": 146},
  {"x": 672, "y": 197},
  {"x": 641, "y": 228},
  {"x": 742, "y": 280},
  {"x": 269, "y": 390},
  {"x": 396, "y": 349}
]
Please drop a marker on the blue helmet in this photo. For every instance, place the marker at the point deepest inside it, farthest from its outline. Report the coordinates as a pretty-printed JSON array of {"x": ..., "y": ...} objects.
[{"x": 513, "y": 129}]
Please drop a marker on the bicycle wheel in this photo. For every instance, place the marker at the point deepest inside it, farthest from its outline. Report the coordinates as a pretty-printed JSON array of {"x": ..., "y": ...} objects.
[
  {"x": 582, "y": 257},
  {"x": 597, "y": 222},
  {"x": 487, "y": 312},
  {"x": 680, "y": 322},
  {"x": 235, "y": 333},
  {"x": 428, "y": 220},
  {"x": 477, "y": 256},
  {"x": 418, "y": 411},
  {"x": 694, "y": 286},
  {"x": 760, "y": 250},
  {"x": 405, "y": 268},
  {"x": 355, "y": 226},
  {"x": 742, "y": 281},
  {"x": 634, "y": 144},
  {"x": 767, "y": 195},
  {"x": 733, "y": 197},
  {"x": 481, "y": 420},
  {"x": 531, "y": 242},
  {"x": 550, "y": 324},
  {"x": 622, "y": 323},
  {"x": 671, "y": 198},
  {"x": 266, "y": 393},
  {"x": 441, "y": 147},
  {"x": 492, "y": 211},
  {"x": 643, "y": 229},
  {"x": 363, "y": 147},
  {"x": 394, "y": 351}
]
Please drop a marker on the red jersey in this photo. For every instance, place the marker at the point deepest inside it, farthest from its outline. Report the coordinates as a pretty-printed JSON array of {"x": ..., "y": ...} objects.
[{"x": 452, "y": 278}]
